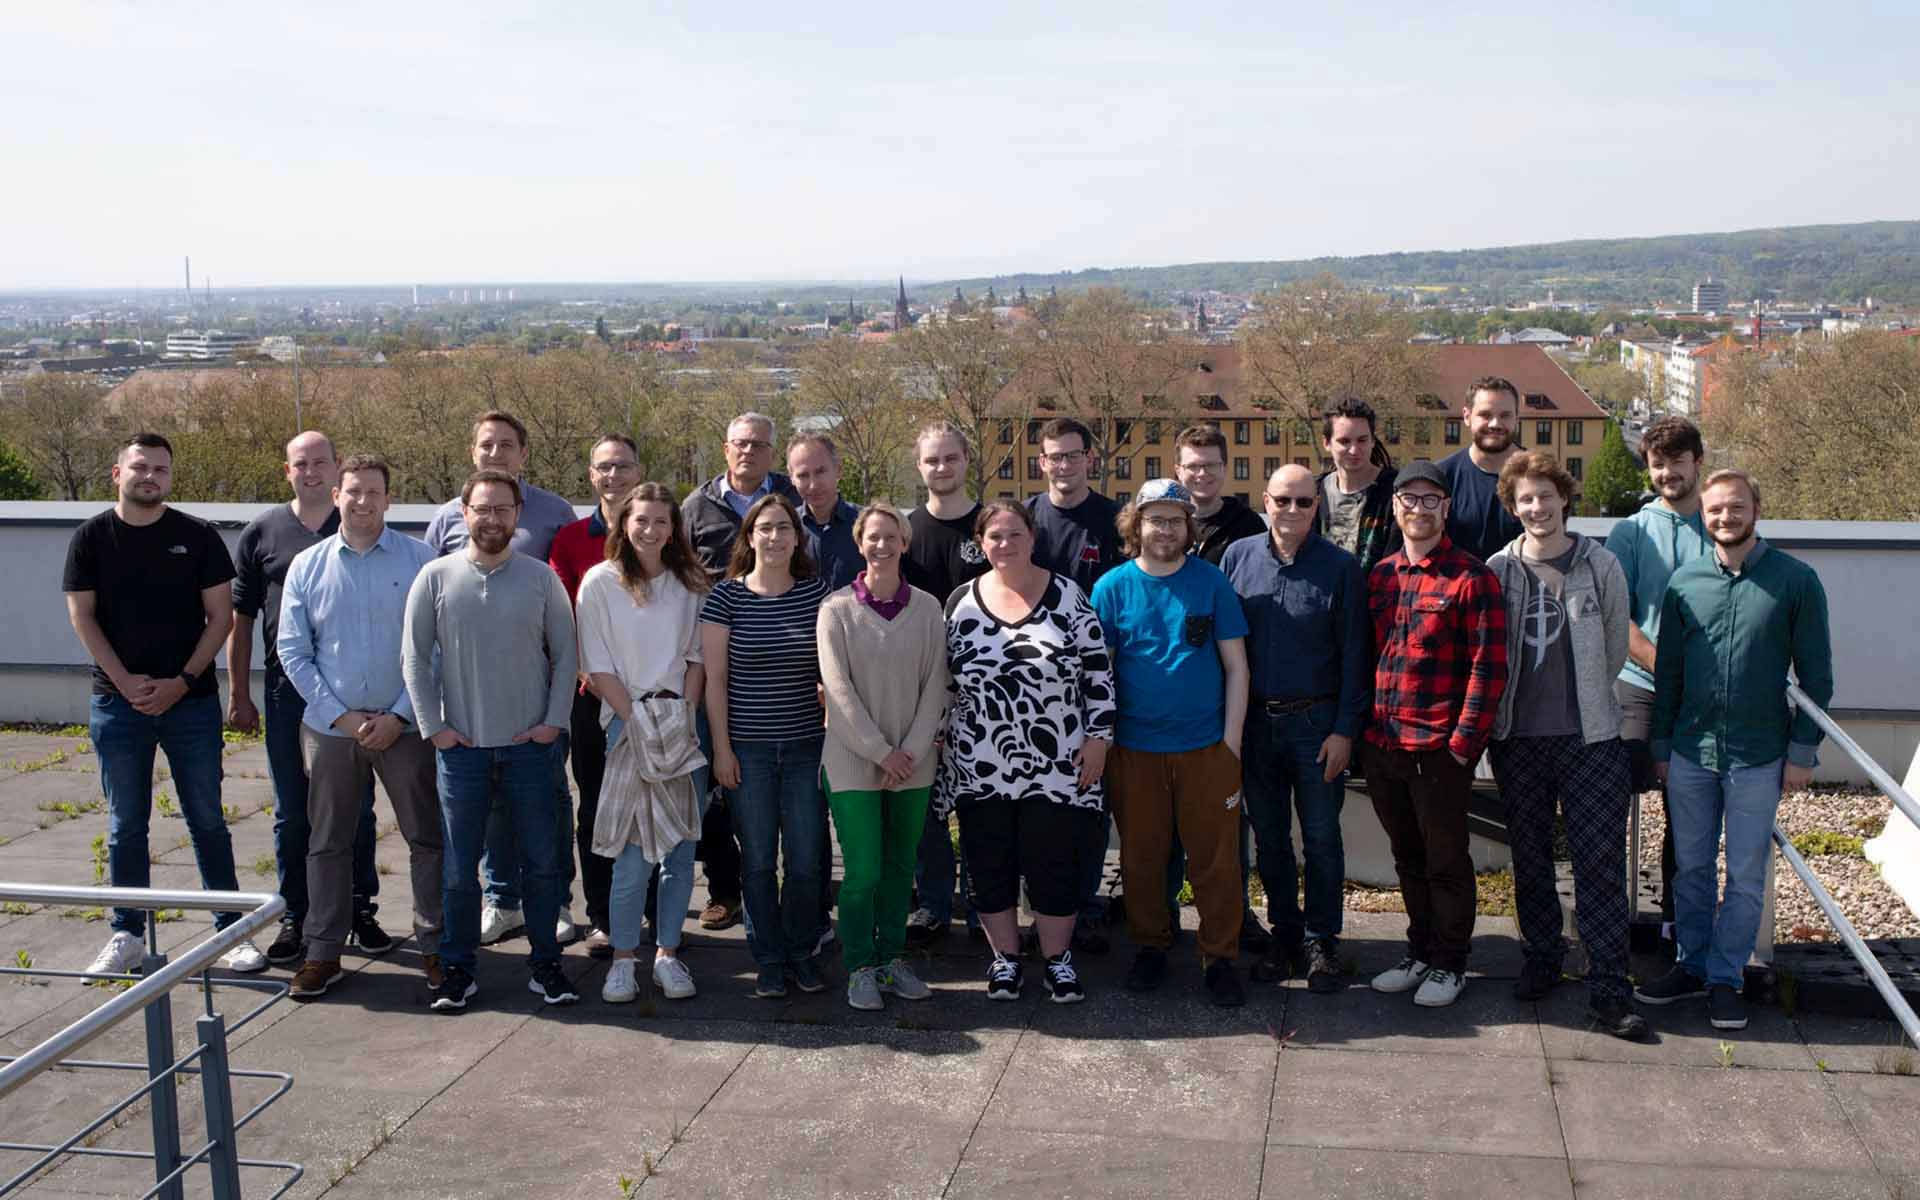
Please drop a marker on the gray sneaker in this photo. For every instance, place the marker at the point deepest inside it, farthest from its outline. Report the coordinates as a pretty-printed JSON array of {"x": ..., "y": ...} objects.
[
  {"x": 863, "y": 990},
  {"x": 898, "y": 979}
]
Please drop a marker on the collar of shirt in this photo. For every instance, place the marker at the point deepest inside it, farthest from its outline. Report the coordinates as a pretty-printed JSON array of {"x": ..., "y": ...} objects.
[
  {"x": 741, "y": 501},
  {"x": 1749, "y": 563},
  {"x": 865, "y": 596},
  {"x": 379, "y": 543},
  {"x": 1273, "y": 548},
  {"x": 842, "y": 510},
  {"x": 597, "y": 523},
  {"x": 1439, "y": 548}
]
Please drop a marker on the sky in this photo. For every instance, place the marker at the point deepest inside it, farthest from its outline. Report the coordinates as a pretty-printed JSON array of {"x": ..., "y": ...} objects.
[{"x": 395, "y": 143}]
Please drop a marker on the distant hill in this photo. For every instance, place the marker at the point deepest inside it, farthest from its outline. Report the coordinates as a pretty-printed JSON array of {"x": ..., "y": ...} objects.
[{"x": 1835, "y": 263}]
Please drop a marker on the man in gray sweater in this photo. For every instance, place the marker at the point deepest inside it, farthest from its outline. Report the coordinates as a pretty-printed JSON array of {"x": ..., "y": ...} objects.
[{"x": 490, "y": 660}]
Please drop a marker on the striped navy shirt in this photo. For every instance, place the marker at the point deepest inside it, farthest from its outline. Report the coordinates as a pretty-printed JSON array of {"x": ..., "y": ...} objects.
[{"x": 773, "y": 659}]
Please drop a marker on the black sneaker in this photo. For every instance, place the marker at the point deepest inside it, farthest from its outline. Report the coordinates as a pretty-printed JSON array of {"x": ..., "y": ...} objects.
[
  {"x": 367, "y": 934},
  {"x": 1223, "y": 984},
  {"x": 1254, "y": 937},
  {"x": 1149, "y": 969},
  {"x": 1725, "y": 1008},
  {"x": 1325, "y": 974},
  {"x": 1090, "y": 935},
  {"x": 1004, "y": 978},
  {"x": 1616, "y": 1018},
  {"x": 1536, "y": 980},
  {"x": 454, "y": 991},
  {"x": 1677, "y": 984},
  {"x": 289, "y": 945},
  {"x": 1063, "y": 982},
  {"x": 1282, "y": 961},
  {"x": 550, "y": 983}
]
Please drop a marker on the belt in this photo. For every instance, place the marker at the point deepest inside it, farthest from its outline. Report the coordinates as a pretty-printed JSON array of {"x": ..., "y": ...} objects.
[
  {"x": 1288, "y": 708},
  {"x": 659, "y": 695}
]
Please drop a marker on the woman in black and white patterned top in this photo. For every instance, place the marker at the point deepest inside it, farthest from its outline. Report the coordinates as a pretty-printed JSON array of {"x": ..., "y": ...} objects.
[{"x": 1027, "y": 741}]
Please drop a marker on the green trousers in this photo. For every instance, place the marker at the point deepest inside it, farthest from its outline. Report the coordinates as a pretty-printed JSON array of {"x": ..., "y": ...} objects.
[{"x": 879, "y": 836}]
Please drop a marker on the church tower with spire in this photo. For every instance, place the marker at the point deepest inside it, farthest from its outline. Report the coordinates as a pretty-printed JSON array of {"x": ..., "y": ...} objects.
[{"x": 902, "y": 319}]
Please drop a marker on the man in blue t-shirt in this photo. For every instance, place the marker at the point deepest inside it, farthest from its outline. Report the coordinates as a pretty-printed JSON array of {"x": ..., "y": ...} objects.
[
  {"x": 1477, "y": 521},
  {"x": 1178, "y": 642}
]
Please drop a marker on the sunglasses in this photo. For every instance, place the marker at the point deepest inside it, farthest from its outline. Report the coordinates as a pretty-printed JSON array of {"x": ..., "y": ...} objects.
[{"x": 1302, "y": 502}]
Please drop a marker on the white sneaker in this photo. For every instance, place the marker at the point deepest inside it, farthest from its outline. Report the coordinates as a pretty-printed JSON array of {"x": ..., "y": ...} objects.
[
  {"x": 565, "y": 931},
  {"x": 673, "y": 978},
  {"x": 1402, "y": 976},
  {"x": 244, "y": 958},
  {"x": 122, "y": 955},
  {"x": 497, "y": 922},
  {"x": 1440, "y": 988},
  {"x": 621, "y": 985}
]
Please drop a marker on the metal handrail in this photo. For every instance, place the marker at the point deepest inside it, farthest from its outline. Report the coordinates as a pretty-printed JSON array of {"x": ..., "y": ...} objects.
[
  {"x": 265, "y": 907},
  {"x": 1904, "y": 803}
]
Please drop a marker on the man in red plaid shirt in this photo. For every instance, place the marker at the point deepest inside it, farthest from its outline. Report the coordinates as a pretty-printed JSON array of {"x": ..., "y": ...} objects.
[{"x": 1440, "y": 633}]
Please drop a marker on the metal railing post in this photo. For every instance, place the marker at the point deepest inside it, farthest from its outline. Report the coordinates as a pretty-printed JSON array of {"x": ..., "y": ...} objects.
[
  {"x": 163, "y": 1103},
  {"x": 216, "y": 1090}
]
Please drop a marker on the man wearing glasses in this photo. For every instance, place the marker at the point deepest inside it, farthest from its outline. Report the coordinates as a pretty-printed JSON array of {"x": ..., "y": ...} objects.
[
  {"x": 1200, "y": 463},
  {"x": 713, "y": 514},
  {"x": 490, "y": 665},
  {"x": 613, "y": 470},
  {"x": 1075, "y": 534},
  {"x": 1440, "y": 632},
  {"x": 1305, "y": 601}
]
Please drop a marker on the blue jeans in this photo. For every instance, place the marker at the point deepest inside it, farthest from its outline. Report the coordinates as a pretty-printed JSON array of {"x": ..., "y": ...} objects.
[
  {"x": 1281, "y": 776},
  {"x": 503, "y": 885},
  {"x": 520, "y": 778},
  {"x": 778, "y": 806},
  {"x": 633, "y": 879},
  {"x": 292, "y": 830},
  {"x": 934, "y": 874},
  {"x": 1093, "y": 866},
  {"x": 1715, "y": 947},
  {"x": 124, "y": 741}
]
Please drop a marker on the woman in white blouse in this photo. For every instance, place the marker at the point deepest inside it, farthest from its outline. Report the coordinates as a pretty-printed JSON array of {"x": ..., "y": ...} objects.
[{"x": 638, "y": 618}]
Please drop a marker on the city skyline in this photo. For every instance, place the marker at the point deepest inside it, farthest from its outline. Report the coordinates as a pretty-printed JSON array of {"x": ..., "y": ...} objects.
[{"x": 362, "y": 146}]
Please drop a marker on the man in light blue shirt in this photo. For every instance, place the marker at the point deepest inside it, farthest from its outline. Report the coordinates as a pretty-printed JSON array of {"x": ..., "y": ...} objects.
[{"x": 342, "y": 613}]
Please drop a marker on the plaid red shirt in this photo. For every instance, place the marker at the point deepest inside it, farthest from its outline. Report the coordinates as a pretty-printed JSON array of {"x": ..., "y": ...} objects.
[{"x": 1440, "y": 629}]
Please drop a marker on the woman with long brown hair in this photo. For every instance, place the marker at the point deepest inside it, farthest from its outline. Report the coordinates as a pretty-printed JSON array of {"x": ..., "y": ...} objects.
[{"x": 638, "y": 618}]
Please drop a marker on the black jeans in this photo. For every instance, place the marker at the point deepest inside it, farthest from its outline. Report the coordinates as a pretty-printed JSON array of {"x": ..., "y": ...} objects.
[
  {"x": 1421, "y": 798},
  {"x": 1636, "y": 725},
  {"x": 588, "y": 751}
]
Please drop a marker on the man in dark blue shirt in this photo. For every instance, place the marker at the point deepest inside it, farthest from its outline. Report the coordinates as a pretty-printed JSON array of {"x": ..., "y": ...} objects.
[
  {"x": 1476, "y": 521},
  {"x": 1307, "y": 649},
  {"x": 813, "y": 463}
]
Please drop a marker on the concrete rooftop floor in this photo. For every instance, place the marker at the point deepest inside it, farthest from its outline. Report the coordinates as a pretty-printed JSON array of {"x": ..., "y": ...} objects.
[{"x": 1354, "y": 1094}]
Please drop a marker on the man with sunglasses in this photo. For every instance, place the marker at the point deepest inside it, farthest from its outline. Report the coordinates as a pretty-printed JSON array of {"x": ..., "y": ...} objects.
[
  {"x": 1440, "y": 632},
  {"x": 1305, "y": 601}
]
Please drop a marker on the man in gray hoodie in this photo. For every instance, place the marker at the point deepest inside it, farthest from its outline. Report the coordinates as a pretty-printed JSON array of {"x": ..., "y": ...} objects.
[{"x": 1557, "y": 737}]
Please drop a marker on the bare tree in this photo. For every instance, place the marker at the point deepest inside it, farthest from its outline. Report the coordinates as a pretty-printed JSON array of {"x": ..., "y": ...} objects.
[
  {"x": 61, "y": 426},
  {"x": 853, "y": 389},
  {"x": 959, "y": 369}
]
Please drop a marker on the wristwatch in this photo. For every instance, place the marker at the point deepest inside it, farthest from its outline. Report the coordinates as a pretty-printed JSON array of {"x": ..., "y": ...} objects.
[{"x": 190, "y": 679}]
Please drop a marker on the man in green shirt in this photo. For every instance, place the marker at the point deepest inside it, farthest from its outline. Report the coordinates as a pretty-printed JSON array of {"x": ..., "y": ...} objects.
[{"x": 1724, "y": 740}]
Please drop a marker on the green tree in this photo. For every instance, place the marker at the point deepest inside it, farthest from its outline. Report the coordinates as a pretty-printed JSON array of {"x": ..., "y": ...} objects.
[
  {"x": 1614, "y": 482},
  {"x": 16, "y": 477}
]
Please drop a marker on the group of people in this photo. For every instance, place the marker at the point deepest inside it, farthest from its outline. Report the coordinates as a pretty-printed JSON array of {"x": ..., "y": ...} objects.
[{"x": 723, "y": 673}]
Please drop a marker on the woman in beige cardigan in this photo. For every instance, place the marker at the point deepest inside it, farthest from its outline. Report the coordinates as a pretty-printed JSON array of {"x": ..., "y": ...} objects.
[{"x": 883, "y": 661}]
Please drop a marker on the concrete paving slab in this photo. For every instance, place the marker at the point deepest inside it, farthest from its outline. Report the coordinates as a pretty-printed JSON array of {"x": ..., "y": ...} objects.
[
  {"x": 1485, "y": 1021},
  {"x": 1071, "y": 1165},
  {"x": 809, "y": 1156},
  {"x": 1636, "y": 1181},
  {"x": 1682, "y": 1037},
  {"x": 1446, "y": 1103},
  {"x": 1846, "y": 1043},
  {"x": 1293, "y": 1171},
  {"x": 933, "y": 1077},
  {"x": 1211, "y": 1089},
  {"x": 1881, "y": 1107},
  {"x": 1704, "y": 1117}
]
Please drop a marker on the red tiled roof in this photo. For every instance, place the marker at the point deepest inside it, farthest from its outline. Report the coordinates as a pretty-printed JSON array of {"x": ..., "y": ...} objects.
[{"x": 1531, "y": 369}]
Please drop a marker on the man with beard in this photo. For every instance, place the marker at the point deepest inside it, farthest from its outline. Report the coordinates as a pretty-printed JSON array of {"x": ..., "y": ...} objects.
[
  {"x": 1477, "y": 522},
  {"x": 490, "y": 664},
  {"x": 147, "y": 591},
  {"x": 267, "y": 548},
  {"x": 1356, "y": 496},
  {"x": 1178, "y": 641},
  {"x": 1651, "y": 545},
  {"x": 1724, "y": 739},
  {"x": 942, "y": 556},
  {"x": 500, "y": 444},
  {"x": 1200, "y": 464}
]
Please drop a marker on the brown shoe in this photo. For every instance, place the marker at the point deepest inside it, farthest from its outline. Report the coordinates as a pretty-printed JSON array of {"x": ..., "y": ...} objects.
[
  {"x": 436, "y": 973},
  {"x": 314, "y": 977},
  {"x": 720, "y": 915}
]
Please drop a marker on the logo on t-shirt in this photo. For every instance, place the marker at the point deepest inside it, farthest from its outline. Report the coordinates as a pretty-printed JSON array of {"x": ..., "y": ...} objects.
[
  {"x": 1090, "y": 554},
  {"x": 971, "y": 553},
  {"x": 178, "y": 550},
  {"x": 1543, "y": 622}
]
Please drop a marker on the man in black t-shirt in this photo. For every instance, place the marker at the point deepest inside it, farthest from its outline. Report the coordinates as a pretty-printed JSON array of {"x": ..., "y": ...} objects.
[
  {"x": 1476, "y": 520},
  {"x": 147, "y": 593},
  {"x": 266, "y": 549}
]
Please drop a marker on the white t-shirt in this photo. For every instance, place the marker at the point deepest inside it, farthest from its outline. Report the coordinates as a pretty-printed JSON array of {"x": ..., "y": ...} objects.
[{"x": 645, "y": 646}]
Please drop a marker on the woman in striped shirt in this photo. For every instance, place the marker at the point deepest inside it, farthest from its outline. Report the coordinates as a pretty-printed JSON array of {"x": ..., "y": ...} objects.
[{"x": 757, "y": 632}]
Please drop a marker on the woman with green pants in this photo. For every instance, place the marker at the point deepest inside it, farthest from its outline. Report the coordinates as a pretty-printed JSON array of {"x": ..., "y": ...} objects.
[{"x": 883, "y": 664}]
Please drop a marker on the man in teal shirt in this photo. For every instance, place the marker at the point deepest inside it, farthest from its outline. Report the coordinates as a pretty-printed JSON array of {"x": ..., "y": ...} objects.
[
  {"x": 1724, "y": 739},
  {"x": 1651, "y": 545}
]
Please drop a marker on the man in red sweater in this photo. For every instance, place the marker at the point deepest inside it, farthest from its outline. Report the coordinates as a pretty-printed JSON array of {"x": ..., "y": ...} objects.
[{"x": 1440, "y": 634}]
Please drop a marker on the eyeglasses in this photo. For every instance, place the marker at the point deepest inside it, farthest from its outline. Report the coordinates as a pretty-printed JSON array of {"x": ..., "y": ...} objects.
[
  {"x": 1301, "y": 502},
  {"x": 748, "y": 444},
  {"x": 1202, "y": 468},
  {"x": 1412, "y": 500},
  {"x": 1164, "y": 522},
  {"x": 1067, "y": 459},
  {"x": 483, "y": 511},
  {"x": 612, "y": 468}
]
